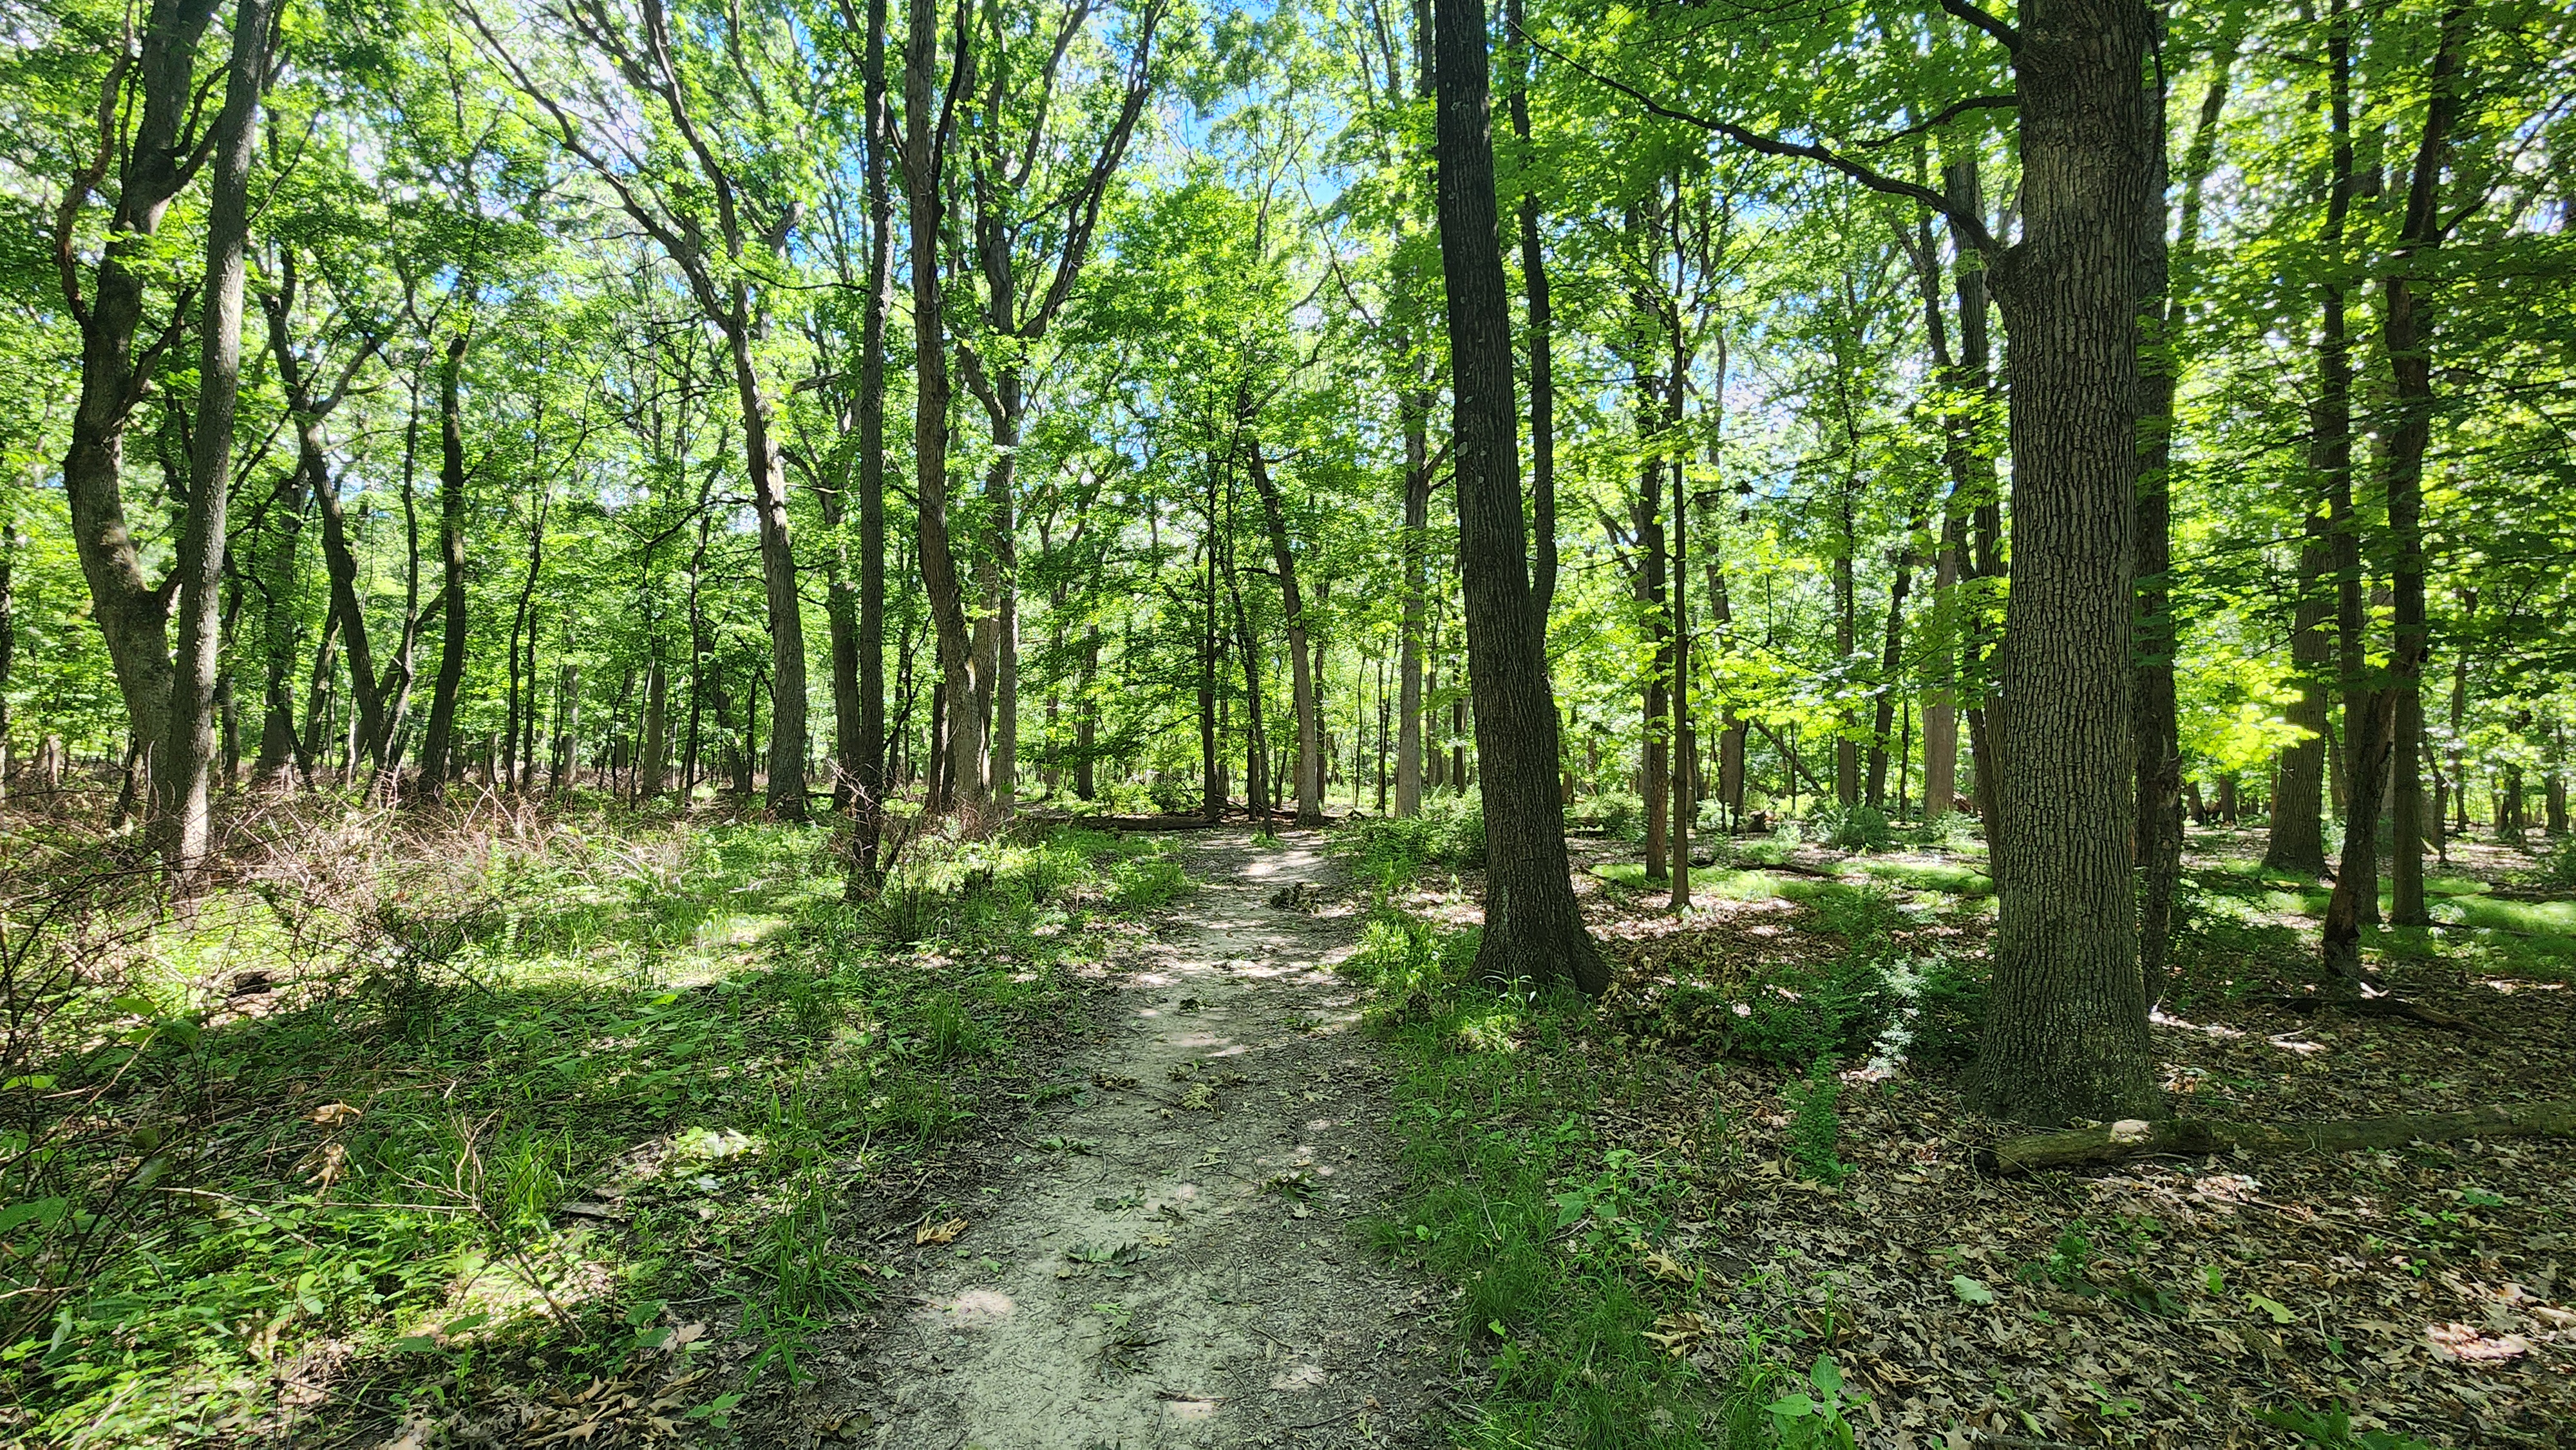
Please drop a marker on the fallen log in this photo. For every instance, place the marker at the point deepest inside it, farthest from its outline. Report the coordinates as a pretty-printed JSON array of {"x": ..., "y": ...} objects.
[{"x": 2135, "y": 1138}]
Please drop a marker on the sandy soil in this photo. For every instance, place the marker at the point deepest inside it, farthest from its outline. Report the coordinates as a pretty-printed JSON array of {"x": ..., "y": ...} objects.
[{"x": 1168, "y": 1257}]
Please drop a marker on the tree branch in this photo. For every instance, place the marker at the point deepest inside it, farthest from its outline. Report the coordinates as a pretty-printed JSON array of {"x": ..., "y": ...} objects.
[
  {"x": 1970, "y": 226},
  {"x": 2005, "y": 35}
]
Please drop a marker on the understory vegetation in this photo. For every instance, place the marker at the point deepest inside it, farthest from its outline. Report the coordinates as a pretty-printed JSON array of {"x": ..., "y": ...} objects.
[
  {"x": 1730, "y": 1204},
  {"x": 409, "y": 1116}
]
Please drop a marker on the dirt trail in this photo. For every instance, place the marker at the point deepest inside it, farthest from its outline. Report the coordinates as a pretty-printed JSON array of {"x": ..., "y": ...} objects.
[{"x": 1170, "y": 1260}]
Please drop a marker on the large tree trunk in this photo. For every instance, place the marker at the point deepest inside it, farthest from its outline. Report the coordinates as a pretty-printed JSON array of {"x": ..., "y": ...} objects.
[
  {"x": 438, "y": 745},
  {"x": 2066, "y": 1022},
  {"x": 1533, "y": 930},
  {"x": 1301, "y": 670},
  {"x": 181, "y": 781},
  {"x": 924, "y": 152}
]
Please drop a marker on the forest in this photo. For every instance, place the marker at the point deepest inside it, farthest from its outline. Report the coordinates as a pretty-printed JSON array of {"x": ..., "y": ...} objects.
[{"x": 1111, "y": 723}]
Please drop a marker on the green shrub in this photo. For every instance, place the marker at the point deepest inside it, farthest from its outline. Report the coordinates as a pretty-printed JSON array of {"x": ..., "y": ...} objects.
[
  {"x": 1852, "y": 828},
  {"x": 1949, "y": 1016}
]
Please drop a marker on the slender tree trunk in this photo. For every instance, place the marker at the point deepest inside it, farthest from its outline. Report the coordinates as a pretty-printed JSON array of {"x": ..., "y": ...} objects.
[
  {"x": 2165, "y": 286},
  {"x": 294, "y": 495},
  {"x": 182, "y": 822},
  {"x": 1542, "y": 330},
  {"x": 2407, "y": 328},
  {"x": 924, "y": 153},
  {"x": 868, "y": 752},
  {"x": 1415, "y": 543},
  {"x": 1533, "y": 930},
  {"x": 1301, "y": 670},
  {"x": 438, "y": 745},
  {"x": 2066, "y": 1019}
]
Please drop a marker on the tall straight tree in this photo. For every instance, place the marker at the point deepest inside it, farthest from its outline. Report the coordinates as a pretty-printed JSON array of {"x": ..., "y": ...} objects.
[
  {"x": 927, "y": 117},
  {"x": 181, "y": 822},
  {"x": 1533, "y": 930}
]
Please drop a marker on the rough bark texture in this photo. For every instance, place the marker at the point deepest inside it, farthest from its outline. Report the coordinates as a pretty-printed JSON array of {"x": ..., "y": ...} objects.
[
  {"x": 925, "y": 147},
  {"x": 1415, "y": 542},
  {"x": 143, "y": 143},
  {"x": 2135, "y": 1138},
  {"x": 181, "y": 780},
  {"x": 2066, "y": 1023},
  {"x": 1533, "y": 930}
]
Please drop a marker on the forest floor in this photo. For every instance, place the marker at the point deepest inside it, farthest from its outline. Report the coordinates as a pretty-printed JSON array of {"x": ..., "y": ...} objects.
[
  {"x": 1755, "y": 1216},
  {"x": 574, "y": 1125},
  {"x": 1164, "y": 1254}
]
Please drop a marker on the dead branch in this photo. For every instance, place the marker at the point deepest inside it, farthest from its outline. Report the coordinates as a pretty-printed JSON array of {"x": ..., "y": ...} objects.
[{"x": 2082, "y": 1147}]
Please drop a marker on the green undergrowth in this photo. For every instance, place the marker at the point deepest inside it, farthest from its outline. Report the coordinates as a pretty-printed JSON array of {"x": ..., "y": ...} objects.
[
  {"x": 1516, "y": 1200},
  {"x": 1553, "y": 1235},
  {"x": 501, "y": 1107}
]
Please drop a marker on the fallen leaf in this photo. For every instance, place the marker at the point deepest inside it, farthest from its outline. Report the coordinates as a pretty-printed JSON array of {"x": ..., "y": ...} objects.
[
  {"x": 332, "y": 1115},
  {"x": 939, "y": 1233},
  {"x": 1970, "y": 1291},
  {"x": 2466, "y": 1345}
]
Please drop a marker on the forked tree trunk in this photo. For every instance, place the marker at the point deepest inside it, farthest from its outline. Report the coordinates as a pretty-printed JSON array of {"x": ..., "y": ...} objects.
[{"x": 1533, "y": 929}]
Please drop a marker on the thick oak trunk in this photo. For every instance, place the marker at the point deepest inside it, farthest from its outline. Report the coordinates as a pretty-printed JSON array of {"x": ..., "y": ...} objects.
[{"x": 2066, "y": 1024}]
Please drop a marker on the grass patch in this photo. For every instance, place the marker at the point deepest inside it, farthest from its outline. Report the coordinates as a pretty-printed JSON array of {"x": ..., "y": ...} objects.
[
  {"x": 1582, "y": 1322},
  {"x": 1946, "y": 877},
  {"x": 479, "y": 1109}
]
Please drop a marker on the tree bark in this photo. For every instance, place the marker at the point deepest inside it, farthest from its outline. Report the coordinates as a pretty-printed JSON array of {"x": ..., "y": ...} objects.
[
  {"x": 1533, "y": 930},
  {"x": 2406, "y": 330},
  {"x": 182, "y": 820},
  {"x": 926, "y": 135},
  {"x": 437, "y": 745},
  {"x": 1301, "y": 670},
  {"x": 868, "y": 753},
  {"x": 133, "y": 615},
  {"x": 2066, "y": 1021},
  {"x": 1415, "y": 542}
]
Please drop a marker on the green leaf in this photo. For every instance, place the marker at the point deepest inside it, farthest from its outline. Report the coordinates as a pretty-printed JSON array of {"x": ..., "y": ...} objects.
[
  {"x": 1970, "y": 1291},
  {"x": 1794, "y": 1405},
  {"x": 2281, "y": 1313},
  {"x": 1827, "y": 1377}
]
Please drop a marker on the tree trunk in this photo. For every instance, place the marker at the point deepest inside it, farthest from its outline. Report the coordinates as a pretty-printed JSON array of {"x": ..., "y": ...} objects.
[
  {"x": 133, "y": 616},
  {"x": 1415, "y": 543},
  {"x": 924, "y": 153},
  {"x": 437, "y": 746},
  {"x": 2066, "y": 1021},
  {"x": 2297, "y": 840},
  {"x": 1533, "y": 930},
  {"x": 181, "y": 819},
  {"x": 2165, "y": 283},
  {"x": 2406, "y": 328},
  {"x": 1301, "y": 671},
  {"x": 867, "y": 754}
]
